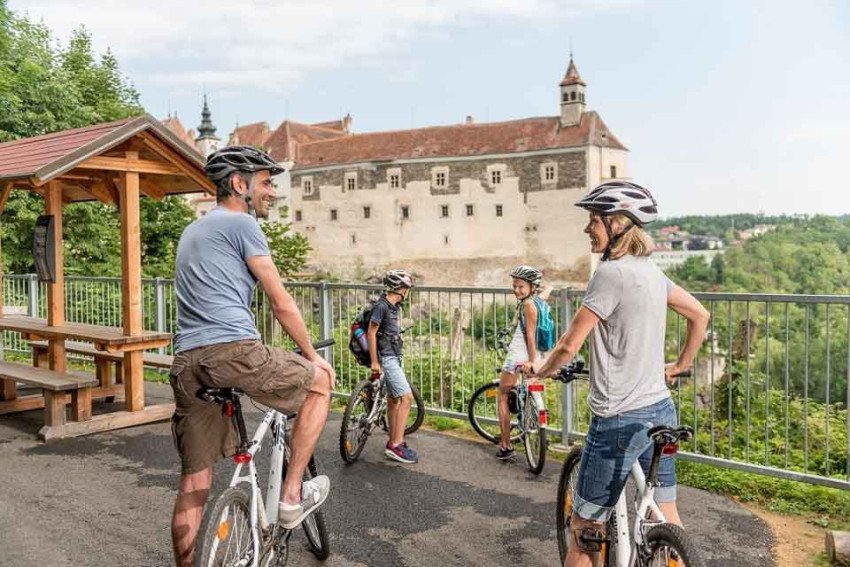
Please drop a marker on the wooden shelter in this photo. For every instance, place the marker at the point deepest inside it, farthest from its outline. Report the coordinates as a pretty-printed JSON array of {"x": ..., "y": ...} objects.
[{"x": 114, "y": 163}]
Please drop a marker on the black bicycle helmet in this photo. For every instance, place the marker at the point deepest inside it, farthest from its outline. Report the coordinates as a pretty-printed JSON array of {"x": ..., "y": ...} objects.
[
  {"x": 398, "y": 279},
  {"x": 529, "y": 274},
  {"x": 239, "y": 158}
]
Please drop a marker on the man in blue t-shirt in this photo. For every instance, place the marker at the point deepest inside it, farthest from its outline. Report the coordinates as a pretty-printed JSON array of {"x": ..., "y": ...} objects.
[
  {"x": 385, "y": 349},
  {"x": 220, "y": 259}
]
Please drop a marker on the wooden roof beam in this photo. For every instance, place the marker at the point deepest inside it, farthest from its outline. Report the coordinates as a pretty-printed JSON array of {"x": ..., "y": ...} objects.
[
  {"x": 134, "y": 165},
  {"x": 179, "y": 161},
  {"x": 4, "y": 195}
]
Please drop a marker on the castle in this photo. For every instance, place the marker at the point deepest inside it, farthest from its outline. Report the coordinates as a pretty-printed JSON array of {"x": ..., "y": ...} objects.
[{"x": 458, "y": 204}]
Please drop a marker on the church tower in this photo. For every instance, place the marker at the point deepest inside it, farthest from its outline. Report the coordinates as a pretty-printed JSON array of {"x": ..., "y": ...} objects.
[
  {"x": 572, "y": 96},
  {"x": 207, "y": 142}
]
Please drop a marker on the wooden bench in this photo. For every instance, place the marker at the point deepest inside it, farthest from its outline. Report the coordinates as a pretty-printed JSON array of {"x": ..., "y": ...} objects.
[
  {"x": 55, "y": 385},
  {"x": 102, "y": 359}
]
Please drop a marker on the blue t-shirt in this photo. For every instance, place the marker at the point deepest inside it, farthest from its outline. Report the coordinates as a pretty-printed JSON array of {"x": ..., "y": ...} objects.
[{"x": 212, "y": 281}]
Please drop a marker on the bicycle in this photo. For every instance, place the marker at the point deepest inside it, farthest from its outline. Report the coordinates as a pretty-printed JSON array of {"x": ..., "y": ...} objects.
[
  {"x": 526, "y": 401},
  {"x": 238, "y": 529},
  {"x": 652, "y": 541},
  {"x": 366, "y": 409}
]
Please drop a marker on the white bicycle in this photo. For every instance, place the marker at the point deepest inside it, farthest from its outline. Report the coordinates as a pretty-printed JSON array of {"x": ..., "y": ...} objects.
[
  {"x": 653, "y": 541},
  {"x": 239, "y": 529}
]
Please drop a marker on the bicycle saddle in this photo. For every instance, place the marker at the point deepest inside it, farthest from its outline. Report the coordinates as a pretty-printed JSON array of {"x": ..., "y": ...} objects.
[
  {"x": 218, "y": 395},
  {"x": 668, "y": 434}
]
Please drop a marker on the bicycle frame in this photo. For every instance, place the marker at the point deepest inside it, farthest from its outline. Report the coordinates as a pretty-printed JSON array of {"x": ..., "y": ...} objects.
[
  {"x": 626, "y": 547},
  {"x": 260, "y": 512}
]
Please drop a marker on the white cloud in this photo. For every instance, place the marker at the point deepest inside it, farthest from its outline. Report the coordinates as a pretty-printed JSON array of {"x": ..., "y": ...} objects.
[{"x": 269, "y": 44}]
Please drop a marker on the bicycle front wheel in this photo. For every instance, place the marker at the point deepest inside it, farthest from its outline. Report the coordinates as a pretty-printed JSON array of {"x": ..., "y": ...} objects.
[
  {"x": 314, "y": 524},
  {"x": 667, "y": 544},
  {"x": 534, "y": 437},
  {"x": 354, "y": 430},
  {"x": 225, "y": 537},
  {"x": 483, "y": 413}
]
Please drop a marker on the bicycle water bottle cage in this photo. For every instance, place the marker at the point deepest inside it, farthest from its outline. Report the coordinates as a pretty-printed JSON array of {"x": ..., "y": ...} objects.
[{"x": 513, "y": 401}]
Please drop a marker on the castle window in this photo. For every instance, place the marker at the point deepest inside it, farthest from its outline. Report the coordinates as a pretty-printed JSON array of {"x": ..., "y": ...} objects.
[
  {"x": 307, "y": 186},
  {"x": 613, "y": 171},
  {"x": 469, "y": 210},
  {"x": 297, "y": 216},
  {"x": 566, "y": 97},
  {"x": 495, "y": 177},
  {"x": 444, "y": 211},
  {"x": 549, "y": 173},
  {"x": 333, "y": 214},
  {"x": 394, "y": 178},
  {"x": 495, "y": 174},
  {"x": 405, "y": 212},
  {"x": 351, "y": 180},
  {"x": 353, "y": 238},
  {"x": 445, "y": 240},
  {"x": 498, "y": 210},
  {"x": 367, "y": 212},
  {"x": 440, "y": 177},
  {"x": 573, "y": 95}
]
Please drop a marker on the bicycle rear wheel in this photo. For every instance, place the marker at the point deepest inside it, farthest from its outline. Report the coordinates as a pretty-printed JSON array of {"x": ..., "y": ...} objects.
[
  {"x": 483, "y": 413},
  {"x": 414, "y": 418},
  {"x": 225, "y": 537},
  {"x": 566, "y": 488},
  {"x": 668, "y": 546},
  {"x": 354, "y": 430},
  {"x": 535, "y": 437}
]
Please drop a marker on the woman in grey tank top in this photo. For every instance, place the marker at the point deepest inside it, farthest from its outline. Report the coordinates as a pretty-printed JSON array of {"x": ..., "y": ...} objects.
[{"x": 624, "y": 311}]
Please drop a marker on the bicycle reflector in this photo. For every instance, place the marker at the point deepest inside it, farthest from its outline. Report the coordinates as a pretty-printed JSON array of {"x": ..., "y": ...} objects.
[
  {"x": 228, "y": 408},
  {"x": 543, "y": 418},
  {"x": 536, "y": 387},
  {"x": 669, "y": 449},
  {"x": 242, "y": 458}
]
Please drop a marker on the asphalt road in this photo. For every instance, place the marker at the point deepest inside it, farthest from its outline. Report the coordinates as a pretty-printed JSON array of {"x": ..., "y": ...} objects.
[{"x": 106, "y": 499}]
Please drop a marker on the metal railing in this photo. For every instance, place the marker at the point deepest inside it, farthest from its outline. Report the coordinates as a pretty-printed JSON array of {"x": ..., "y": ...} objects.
[{"x": 769, "y": 393}]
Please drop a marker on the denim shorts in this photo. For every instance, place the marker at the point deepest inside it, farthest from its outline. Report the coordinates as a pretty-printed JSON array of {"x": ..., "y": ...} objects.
[
  {"x": 394, "y": 376},
  {"x": 611, "y": 447}
]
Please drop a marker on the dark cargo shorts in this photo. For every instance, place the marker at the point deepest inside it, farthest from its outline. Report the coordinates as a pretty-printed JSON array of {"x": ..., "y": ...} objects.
[{"x": 272, "y": 376}]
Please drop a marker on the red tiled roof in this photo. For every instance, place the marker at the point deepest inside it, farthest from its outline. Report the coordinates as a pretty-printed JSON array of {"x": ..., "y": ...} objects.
[
  {"x": 333, "y": 125},
  {"x": 256, "y": 134},
  {"x": 173, "y": 123},
  {"x": 289, "y": 135},
  {"x": 21, "y": 158},
  {"x": 528, "y": 134}
]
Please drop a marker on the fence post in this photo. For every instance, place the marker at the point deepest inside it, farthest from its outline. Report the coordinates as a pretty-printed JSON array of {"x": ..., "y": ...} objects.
[
  {"x": 160, "y": 308},
  {"x": 566, "y": 309},
  {"x": 326, "y": 318},
  {"x": 33, "y": 296}
]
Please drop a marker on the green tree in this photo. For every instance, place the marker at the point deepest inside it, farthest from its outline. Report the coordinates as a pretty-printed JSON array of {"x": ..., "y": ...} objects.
[{"x": 289, "y": 251}]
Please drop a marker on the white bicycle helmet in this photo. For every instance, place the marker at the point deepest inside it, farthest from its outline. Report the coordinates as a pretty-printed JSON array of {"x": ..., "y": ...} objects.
[
  {"x": 398, "y": 279},
  {"x": 529, "y": 274},
  {"x": 622, "y": 197}
]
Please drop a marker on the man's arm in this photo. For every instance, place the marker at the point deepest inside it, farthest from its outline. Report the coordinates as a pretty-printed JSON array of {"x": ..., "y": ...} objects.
[
  {"x": 285, "y": 310},
  {"x": 570, "y": 342},
  {"x": 698, "y": 316}
]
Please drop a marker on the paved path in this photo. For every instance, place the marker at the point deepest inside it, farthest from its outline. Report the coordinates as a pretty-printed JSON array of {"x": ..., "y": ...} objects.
[{"x": 106, "y": 500}]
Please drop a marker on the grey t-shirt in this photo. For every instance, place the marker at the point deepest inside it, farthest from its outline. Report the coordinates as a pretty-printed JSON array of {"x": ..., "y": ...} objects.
[
  {"x": 213, "y": 284},
  {"x": 627, "y": 346},
  {"x": 385, "y": 314}
]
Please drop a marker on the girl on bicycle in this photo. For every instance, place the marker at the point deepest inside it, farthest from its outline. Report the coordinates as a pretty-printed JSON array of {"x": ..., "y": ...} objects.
[
  {"x": 527, "y": 283},
  {"x": 625, "y": 312}
]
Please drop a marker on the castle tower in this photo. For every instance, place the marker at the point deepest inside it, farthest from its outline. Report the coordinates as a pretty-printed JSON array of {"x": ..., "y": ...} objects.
[
  {"x": 572, "y": 96},
  {"x": 207, "y": 142}
]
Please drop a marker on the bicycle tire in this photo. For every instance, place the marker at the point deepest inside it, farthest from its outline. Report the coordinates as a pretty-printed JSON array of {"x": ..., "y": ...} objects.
[
  {"x": 531, "y": 430},
  {"x": 350, "y": 448},
  {"x": 314, "y": 525},
  {"x": 216, "y": 529},
  {"x": 672, "y": 538},
  {"x": 482, "y": 394},
  {"x": 417, "y": 419}
]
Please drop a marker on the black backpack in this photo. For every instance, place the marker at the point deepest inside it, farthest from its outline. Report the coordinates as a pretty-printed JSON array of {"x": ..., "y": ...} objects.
[{"x": 358, "y": 344}]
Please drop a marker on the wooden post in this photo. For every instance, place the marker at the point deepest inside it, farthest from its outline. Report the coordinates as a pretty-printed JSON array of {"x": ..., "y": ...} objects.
[
  {"x": 81, "y": 404},
  {"x": 131, "y": 280},
  {"x": 56, "y": 290},
  {"x": 838, "y": 547},
  {"x": 8, "y": 388}
]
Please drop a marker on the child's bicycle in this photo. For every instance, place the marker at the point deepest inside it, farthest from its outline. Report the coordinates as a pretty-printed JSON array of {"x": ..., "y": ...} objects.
[
  {"x": 653, "y": 541},
  {"x": 526, "y": 401},
  {"x": 239, "y": 529},
  {"x": 367, "y": 409}
]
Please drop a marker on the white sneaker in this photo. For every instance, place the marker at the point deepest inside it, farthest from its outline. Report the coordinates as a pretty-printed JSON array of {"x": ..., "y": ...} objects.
[{"x": 313, "y": 493}]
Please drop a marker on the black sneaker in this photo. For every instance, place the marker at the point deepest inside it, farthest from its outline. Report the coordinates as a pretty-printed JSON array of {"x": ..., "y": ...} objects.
[{"x": 505, "y": 454}]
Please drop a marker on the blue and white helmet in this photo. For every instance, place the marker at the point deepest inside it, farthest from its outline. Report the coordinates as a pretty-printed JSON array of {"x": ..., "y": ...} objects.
[{"x": 624, "y": 198}]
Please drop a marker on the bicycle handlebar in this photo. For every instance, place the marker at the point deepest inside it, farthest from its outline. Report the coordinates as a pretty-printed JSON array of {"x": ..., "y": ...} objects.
[
  {"x": 575, "y": 370},
  {"x": 317, "y": 346}
]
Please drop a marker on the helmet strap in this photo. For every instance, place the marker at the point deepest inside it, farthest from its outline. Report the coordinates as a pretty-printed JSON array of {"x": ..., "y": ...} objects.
[
  {"x": 248, "y": 196},
  {"x": 612, "y": 238}
]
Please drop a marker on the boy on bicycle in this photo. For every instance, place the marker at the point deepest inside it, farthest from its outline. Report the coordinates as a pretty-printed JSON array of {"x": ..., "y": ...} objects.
[
  {"x": 385, "y": 349},
  {"x": 527, "y": 283}
]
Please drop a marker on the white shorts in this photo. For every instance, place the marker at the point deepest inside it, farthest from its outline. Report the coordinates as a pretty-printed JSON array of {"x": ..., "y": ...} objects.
[{"x": 517, "y": 352}]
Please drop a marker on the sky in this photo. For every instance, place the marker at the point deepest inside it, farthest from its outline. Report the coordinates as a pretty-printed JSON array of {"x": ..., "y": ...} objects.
[{"x": 727, "y": 106}]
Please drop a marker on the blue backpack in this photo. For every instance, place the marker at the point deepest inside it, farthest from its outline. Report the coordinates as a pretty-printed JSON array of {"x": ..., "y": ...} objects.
[{"x": 545, "y": 336}]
